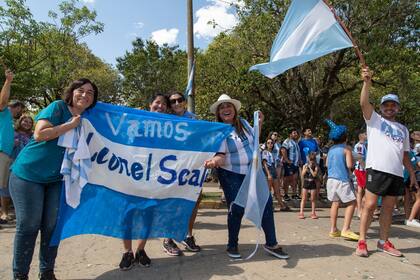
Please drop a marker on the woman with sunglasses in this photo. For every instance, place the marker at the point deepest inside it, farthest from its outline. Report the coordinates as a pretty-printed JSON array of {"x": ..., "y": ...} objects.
[{"x": 178, "y": 107}]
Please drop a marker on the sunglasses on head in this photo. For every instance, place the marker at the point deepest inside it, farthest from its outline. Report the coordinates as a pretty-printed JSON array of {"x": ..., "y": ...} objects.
[{"x": 179, "y": 100}]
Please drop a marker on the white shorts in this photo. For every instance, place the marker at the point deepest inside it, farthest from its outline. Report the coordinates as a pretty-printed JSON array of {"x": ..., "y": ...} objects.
[
  {"x": 5, "y": 161},
  {"x": 340, "y": 191}
]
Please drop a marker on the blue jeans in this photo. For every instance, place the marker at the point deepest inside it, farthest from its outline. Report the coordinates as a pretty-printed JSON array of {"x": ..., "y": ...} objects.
[
  {"x": 231, "y": 183},
  {"x": 36, "y": 208}
]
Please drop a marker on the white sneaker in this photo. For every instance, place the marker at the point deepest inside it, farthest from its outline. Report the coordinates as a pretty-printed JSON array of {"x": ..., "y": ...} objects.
[{"x": 412, "y": 223}]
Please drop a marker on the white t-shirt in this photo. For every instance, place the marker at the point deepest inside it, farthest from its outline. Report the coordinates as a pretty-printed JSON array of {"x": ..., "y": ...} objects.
[{"x": 387, "y": 143}]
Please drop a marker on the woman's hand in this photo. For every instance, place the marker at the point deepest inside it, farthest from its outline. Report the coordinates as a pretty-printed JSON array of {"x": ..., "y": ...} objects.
[
  {"x": 210, "y": 163},
  {"x": 75, "y": 121}
]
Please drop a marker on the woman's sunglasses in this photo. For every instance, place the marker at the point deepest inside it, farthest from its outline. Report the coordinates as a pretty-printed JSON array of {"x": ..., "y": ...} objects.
[{"x": 179, "y": 100}]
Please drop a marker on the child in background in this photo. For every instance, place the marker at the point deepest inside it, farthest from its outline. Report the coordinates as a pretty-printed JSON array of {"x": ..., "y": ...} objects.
[
  {"x": 23, "y": 132},
  {"x": 309, "y": 174},
  {"x": 339, "y": 185},
  {"x": 270, "y": 161}
]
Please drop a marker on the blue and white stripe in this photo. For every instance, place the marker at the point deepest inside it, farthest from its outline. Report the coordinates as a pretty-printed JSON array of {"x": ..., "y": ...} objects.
[
  {"x": 238, "y": 149},
  {"x": 188, "y": 90},
  {"x": 146, "y": 173},
  {"x": 293, "y": 151},
  {"x": 309, "y": 31}
]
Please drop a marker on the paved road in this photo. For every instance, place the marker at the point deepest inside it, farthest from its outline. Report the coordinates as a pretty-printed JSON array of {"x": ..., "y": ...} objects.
[{"x": 313, "y": 254}]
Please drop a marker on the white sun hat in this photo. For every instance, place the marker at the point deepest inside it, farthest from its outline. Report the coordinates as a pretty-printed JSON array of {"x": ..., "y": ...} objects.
[{"x": 224, "y": 98}]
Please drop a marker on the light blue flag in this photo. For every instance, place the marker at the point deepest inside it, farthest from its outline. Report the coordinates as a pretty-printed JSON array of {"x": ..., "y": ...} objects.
[
  {"x": 254, "y": 192},
  {"x": 188, "y": 90},
  {"x": 309, "y": 31},
  {"x": 144, "y": 175}
]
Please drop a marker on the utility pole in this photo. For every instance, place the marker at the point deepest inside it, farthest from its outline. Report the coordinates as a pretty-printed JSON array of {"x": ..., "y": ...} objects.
[{"x": 190, "y": 50}]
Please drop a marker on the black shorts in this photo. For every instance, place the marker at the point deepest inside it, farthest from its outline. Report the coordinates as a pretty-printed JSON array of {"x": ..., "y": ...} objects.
[
  {"x": 384, "y": 184},
  {"x": 290, "y": 169}
]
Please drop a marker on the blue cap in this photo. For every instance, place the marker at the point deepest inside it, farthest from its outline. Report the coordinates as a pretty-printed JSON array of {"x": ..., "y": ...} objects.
[
  {"x": 390, "y": 97},
  {"x": 336, "y": 130}
]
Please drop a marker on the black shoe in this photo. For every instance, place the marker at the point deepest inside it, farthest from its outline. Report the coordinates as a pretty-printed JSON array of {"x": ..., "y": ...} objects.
[
  {"x": 233, "y": 253},
  {"x": 190, "y": 245},
  {"x": 170, "y": 248},
  {"x": 285, "y": 209},
  {"x": 142, "y": 258},
  {"x": 286, "y": 197},
  {"x": 277, "y": 252},
  {"x": 127, "y": 261},
  {"x": 19, "y": 276},
  {"x": 47, "y": 275},
  {"x": 297, "y": 197}
]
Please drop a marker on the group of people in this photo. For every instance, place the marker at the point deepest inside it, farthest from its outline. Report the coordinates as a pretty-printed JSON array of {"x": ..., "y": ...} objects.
[{"x": 35, "y": 180}]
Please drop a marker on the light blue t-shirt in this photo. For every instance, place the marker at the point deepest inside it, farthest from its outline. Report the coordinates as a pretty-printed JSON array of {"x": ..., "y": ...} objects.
[
  {"x": 6, "y": 132},
  {"x": 40, "y": 162},
  {"x": 188, "y": 114},
  {"x": 293, "y": 151},
  {"x": 337, "y": 166}
]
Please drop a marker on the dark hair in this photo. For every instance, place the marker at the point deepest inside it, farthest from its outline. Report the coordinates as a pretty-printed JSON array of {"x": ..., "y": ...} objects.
[
  {"x": 271, "y": 134},
  {"x": 306, "y": 128},
  {"x": 292, "y": 129},
  {"x": 312, "y": 156},
  {"x": 68, "y": 94},
  {"x": 16, "y": 103},
  {"x": 173, "y": 92},
  {"x": 156, "y": 95},
  {"x": 342, "y": 139}
]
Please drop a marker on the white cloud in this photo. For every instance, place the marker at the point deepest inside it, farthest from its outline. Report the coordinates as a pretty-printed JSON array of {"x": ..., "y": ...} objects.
[
  {"x": 165, "y": 36},
  {"x": 88, "y": 1},
  {"x": 219, "y": 16},
  {"x": 139, "y": 25}
]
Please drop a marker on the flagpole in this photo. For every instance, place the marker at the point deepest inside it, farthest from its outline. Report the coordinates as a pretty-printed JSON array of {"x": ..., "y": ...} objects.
[
  {"x": 190, "y": 49},
  {"x": 356, "y": 47}
]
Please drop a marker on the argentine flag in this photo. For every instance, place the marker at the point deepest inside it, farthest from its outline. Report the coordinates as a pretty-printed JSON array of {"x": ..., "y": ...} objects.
[
  {"x": 188, "y": 90},
  {"x": 309, "y": 31},
  {"x": 142, "y": 173},
  {"x": 254, "y": 192}
]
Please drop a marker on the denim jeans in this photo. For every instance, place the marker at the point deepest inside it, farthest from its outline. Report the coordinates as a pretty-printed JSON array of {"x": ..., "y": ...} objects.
[
  {"x": 231, "y": 183},
  {"x": 36, "y": 208}
]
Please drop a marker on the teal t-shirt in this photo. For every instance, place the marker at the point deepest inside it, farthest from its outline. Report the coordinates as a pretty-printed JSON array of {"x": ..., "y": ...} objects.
[
  {"x": 6, "y": 132},
  {"x": 40, "y": 162}
]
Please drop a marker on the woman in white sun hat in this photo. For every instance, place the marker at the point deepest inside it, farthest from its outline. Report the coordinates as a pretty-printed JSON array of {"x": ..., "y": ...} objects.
[{"x": 232, "y": 163}]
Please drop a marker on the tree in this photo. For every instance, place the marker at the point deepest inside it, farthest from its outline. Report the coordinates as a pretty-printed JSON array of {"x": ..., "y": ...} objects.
[
  {"x": 386, "y": 30},
  {"x": 148, "y": 69},
  {"x": 46, "y": 57}
]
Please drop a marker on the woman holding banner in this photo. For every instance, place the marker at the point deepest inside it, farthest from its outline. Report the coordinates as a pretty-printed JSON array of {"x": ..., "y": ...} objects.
[
  {"x": 232, "y": 163},
  {"x": 35, "y": 180},
  {"x": 157, "y": 103},
  {"x": 177, "y": 105}
]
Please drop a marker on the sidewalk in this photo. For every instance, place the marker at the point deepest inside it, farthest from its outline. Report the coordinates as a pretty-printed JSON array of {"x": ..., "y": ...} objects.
[{"x": 313, "y": 254}]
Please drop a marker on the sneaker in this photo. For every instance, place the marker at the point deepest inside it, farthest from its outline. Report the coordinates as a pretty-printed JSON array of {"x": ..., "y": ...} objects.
[
  {"x": 19, "y": 276},
  {"x": 190, "y": 245},
  {"x": 277, "y": 251},
  {"x": 350, "y": 235},
  {"x": 142, "y": 258},
  {"x": 361, "y": 249},
  {"x": 233, "y": 253},
  {"x": 389, "y": 248},
  {"x": 285, "y": 209},
  {"x": 286, "y": 197},
  {"x": 47, "y": 275},
  {"x": 335, "y": 234},
  {"x": 412, "y": 223},
  {"x": 171, "y": 248},
  {"x": 127, "y": 261}
]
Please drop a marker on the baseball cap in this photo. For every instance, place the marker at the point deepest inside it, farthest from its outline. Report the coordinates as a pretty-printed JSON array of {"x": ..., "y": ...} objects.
[{"x": 390, "y": 97}]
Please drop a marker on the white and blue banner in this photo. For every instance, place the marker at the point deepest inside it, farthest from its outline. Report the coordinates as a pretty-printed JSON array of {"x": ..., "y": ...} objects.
[
  {"x": 144, "y": 173},
  {"x": 309, "y": 31}
]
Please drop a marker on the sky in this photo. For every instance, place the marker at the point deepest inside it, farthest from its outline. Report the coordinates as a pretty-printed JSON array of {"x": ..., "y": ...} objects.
[{"x": 164, "y": 21}]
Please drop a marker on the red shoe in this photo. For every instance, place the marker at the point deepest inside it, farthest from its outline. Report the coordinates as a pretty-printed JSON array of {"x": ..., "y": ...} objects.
[
  {"x": 389, "y": 248},
  {"x": 361, "y": 249}
]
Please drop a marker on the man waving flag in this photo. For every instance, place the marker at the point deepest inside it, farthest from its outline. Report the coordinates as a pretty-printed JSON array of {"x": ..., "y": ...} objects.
[{"x": 309, "y": 30}]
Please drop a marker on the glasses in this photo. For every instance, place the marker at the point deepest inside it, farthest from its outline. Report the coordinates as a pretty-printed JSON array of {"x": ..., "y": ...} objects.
[{"x": 179, "y": 100}]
